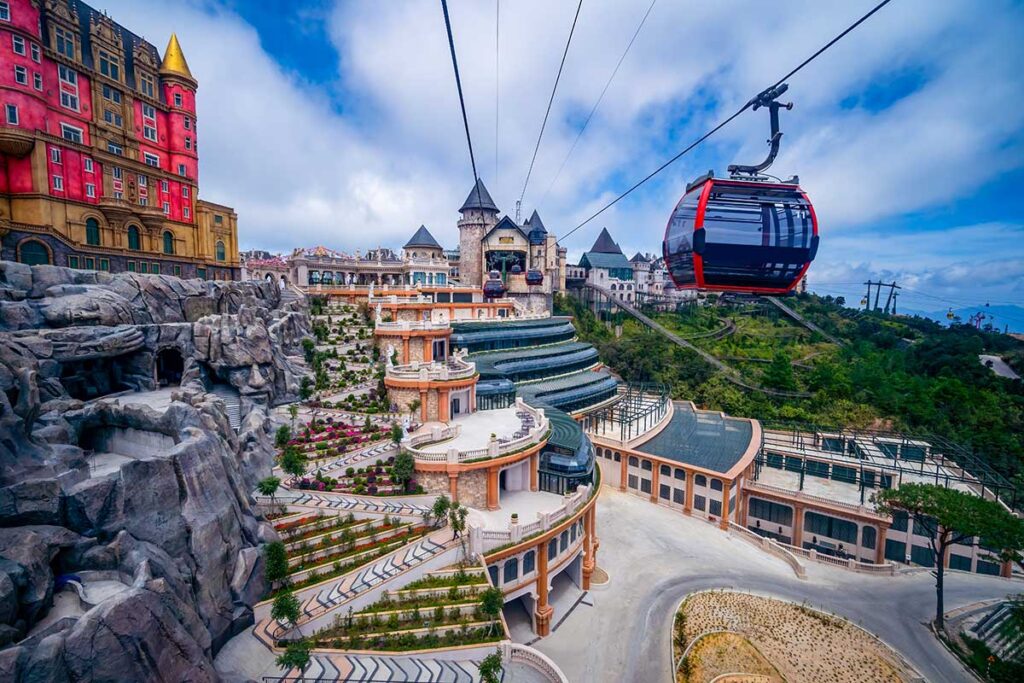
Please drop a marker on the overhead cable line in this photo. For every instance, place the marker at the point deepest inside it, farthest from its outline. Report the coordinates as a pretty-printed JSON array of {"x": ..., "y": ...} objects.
[
  {"x": 597, "y": 103},
  {"x": 551, "y": 99},
  {"x": 497, "y": 81},
  {"x": 462, "y": 101},
  {"x": 729, "y": 120}
]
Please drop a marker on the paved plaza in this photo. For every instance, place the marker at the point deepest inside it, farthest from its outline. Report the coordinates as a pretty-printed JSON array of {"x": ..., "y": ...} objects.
[
  {"x": 475, "y": 430},
  {"x": 656, "y": 556},
  {"x": 527, "y": 504}
]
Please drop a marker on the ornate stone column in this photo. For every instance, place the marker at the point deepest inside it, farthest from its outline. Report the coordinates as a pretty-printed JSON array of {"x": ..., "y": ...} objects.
[
  {"x": 688, "y": 505},
  {"x": 724, "y": 522},
  {"x": 453, "y": 485},
  {"x": 492, "y": 488},
  {"x": 543, "y": 611},
  {"x": 623, "y": 471},
  {"x": 798, "y": 525},
  {"x": 655, "y": 480},
  {"x": 880, "y": 543},
  {"x": 589, "y": 561},
  {"x": 534, "y": 469}
]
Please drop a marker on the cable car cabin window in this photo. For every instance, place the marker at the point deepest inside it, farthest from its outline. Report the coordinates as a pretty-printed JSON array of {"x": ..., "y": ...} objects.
[
  {"x": 755, "y": 236},
  {"x": 679, "y": 240}
]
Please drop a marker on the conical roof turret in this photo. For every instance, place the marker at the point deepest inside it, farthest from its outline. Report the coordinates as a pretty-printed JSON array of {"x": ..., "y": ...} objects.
[
  {"x": 479, "y": 198},
  {"x": 174, "y": 63}
]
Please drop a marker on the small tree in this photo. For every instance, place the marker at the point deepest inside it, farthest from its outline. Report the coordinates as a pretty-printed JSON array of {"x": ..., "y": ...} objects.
[
  {"x": 490, "y": 668},
  {"x": 285, "y": 608},
  {"x": 439, "y": 510},
  {"x": 491, "y": 602},
  {"x": 268, "y": 487},
  {"x": 295, "y": 656},
  {"x": 403, "y": 469},
  {"x": 276, "y": 558},
  {"x": 283, "y": 436},
  {"x": 293, "y": 413},
  {"x": 305, "y": 388},
  {"x": 293, "y": 462},
  {"x": 457, "y": 518},
  {"x": 950, "y": 517},
  {"x": 396, "y": 433},
  {"x": 414, "y": 405}
]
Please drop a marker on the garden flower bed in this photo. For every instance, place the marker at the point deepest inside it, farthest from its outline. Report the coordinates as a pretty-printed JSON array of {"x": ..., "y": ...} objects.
[
  {"x": 309, "y": 576},
  {"x": 309, "y": 553},
  {"x": 404, "y": 533},
  {"x": 415, "y": 623}
]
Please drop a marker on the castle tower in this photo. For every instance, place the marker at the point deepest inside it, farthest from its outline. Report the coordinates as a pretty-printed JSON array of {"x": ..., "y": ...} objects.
[
  {"x": 479, "y": 215},
  {"x": 179, "y": 90}
]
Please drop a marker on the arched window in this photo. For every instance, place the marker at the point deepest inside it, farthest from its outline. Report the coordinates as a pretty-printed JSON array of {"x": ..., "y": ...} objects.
[
  {"x": 133, "y": 238},
  {"x": 168, "y": 242},
  {"x": 634, "y": 461},
  {"x": 33, "y": 253},
  {"x": 553, "y": 548},
  {"x": 700, "y": 480},
  {"x": 92, "y": 232},
  {"x": 716, "y": 484},
  {"x": 530, "y": 561},
  {"x": 220, "y": 251},
  {"x": 511, "y": 570}
]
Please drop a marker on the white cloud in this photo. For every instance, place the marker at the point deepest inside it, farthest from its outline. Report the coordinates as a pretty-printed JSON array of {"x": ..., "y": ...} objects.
[{"x": 300, "y": 173}]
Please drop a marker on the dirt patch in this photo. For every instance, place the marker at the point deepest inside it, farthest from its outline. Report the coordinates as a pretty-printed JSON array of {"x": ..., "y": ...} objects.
[
  {"x": 718, "y": 654},
  {"x": 800, "y": 644}
]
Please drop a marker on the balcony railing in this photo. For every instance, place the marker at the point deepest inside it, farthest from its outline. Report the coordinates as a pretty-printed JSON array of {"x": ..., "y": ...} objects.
[
  {"x": 403, "y": 299},
  {"x": 409, "y": 325},
  {"x": 452, "y": 369},
  {"x": 485, "y": 540},
  {"x": 494, "y": 449}
]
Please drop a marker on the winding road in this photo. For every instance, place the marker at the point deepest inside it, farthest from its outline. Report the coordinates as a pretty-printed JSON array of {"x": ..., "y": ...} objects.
[{"x": 655, "y": 556}]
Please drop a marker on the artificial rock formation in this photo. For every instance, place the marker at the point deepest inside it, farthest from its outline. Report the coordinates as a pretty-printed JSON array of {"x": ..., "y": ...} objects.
[{"x": 92, "y": 481}]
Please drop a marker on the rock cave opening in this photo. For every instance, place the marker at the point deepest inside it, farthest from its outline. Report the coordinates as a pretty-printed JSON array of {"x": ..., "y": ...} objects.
[
  {"x": 170, "y": 365},
  {"x": 90, "y": 378}
]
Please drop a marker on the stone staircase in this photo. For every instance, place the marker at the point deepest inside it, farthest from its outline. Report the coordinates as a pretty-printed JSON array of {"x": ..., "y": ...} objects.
[
  {"x": 232, "y": 403},
  {"x": 333, "y": 501},
  {"x": 368, "y": 668}
]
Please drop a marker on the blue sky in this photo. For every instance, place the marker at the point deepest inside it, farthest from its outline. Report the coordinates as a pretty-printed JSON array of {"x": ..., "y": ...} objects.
[{"x": 337, "y": 123}]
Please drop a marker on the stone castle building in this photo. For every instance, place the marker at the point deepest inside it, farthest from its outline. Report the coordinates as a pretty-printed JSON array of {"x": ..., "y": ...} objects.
[
  {"x": 99, "y": 149},
  {"x": 489, "y": 243}
]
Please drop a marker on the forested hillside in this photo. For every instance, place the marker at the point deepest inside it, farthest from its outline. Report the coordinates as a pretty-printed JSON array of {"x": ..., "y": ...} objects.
[{"x": 909, "y": 373}]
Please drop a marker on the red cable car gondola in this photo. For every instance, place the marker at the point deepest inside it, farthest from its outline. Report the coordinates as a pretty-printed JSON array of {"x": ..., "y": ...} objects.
[{"x": 745, "y": 233}]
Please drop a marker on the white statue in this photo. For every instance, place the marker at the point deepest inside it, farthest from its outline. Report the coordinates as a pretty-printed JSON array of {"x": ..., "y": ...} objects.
[
  {"x": 377, "y": 311},
  {"x": 389, "y": 355}
]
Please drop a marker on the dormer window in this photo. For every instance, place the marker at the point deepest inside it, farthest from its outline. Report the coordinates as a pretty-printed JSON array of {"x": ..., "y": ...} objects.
[
  {"x": 110, "y": 66},
  {"x": 147, "y": 85},
  {"x": 65, "y": 42}
]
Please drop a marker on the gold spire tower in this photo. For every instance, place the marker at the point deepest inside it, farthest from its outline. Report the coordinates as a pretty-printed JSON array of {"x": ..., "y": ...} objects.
[{"x": 174, "y": 63}]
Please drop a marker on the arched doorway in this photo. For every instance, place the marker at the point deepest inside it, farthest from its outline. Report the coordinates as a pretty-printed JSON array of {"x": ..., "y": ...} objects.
[
  {"x": 33, "y": 253},
  {"x": 169, "y": 367}
]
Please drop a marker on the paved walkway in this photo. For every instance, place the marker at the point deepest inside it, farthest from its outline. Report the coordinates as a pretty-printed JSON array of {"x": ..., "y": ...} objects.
[{"x": 656, "y": 556}]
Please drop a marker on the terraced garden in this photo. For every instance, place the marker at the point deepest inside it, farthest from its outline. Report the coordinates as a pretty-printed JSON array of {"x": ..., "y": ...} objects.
[
  {"x": 320, "y": 547},
  {"x": 446, "y": 608}
]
